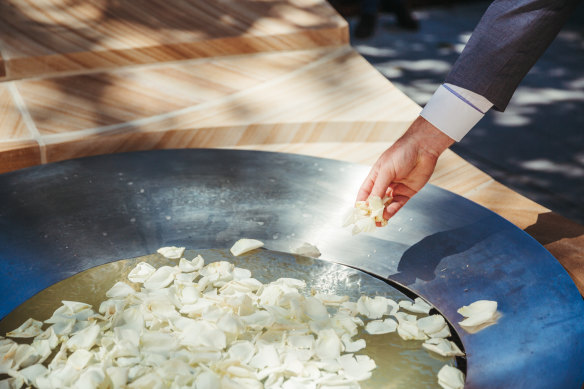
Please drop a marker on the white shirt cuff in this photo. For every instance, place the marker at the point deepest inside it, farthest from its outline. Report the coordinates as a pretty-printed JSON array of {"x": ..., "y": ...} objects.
[{"x": 455, "y": 110}]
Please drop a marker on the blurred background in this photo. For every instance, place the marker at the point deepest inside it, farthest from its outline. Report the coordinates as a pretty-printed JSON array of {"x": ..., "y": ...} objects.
[{"x": 535, "y": 147}]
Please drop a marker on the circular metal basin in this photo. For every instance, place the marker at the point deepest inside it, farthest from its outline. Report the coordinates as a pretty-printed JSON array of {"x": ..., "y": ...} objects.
[
  {"x": 404, "y": 364},
  {"x": 60, "y": 219}
]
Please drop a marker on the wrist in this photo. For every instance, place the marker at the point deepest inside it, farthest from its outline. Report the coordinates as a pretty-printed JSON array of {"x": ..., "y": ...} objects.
[{"x": 427, "y": 137}]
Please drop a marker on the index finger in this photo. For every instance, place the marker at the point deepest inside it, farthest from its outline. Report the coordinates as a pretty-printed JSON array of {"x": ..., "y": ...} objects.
[{"x": 367, "y": 185}]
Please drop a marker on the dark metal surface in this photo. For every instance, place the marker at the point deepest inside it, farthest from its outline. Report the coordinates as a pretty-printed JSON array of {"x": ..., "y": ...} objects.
[{"x": 57, "y": 220}]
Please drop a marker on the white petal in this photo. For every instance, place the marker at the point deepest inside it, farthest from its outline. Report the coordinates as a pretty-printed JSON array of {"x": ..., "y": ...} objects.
[
  {"x": 94, "y": 377},
  {"x": 331, "y": 299},
  {"x": 79, "y": 359},
  {"x": 158, "y": 342},
  {"x": 315, "y": 309},
  {"x": 242, "y": 246},
  {"x": 241, "y": 351},
  {"x": 422, "y": 305},
  {"x": 75, "y": 306},
  {"x": 357, "y": 368},
  {"x": 42, "y": 348},
  {"x": 352, "y": 346},
  {"x": 186, "y": 266},
  {"x": 350, "y": 307},
  {"x": 377, "y": 327},
  {"x": 31, "y": 373},
  {"x": 351, "y": 216},
  {"x": 291, "y": 283},
  {"x": 203, "y": 334},
  {"x": 171, "y": 252},
  {"x": 197, "y": 309},
  {"x": 402, "y": 316},
  {"x": 366, "y": 214},
  {"x": 443, "y": 333},
  {"x": 60, "y": 358},
  {"x": 478, "y": 307},
  {"x": 431, "y": 324},
  {"x": 84, "y": 339},
  {"x": 408, "y": 330},
  {"x": 301, "y": 341},
  {"x": 109, "y": 308},
  {"x": 150, "y": 381},
  {"x": 61, "y": 314},
  {"x": 258, "y": 320},
  {"x": 120, "y": 290},
  {"x": 480, "y": 315},
  {"x": 118, "y": 376},
  {"x": 29, "y": 329},
  {"x": 198, "y": 262},
  {"x": 241, "y": 274},
  {"x": 230, "y": 324},
  {"x": 479, "y": 322},
  {"x": 343, "y": 322},
  {"x": 207, "y": 380},
  {"x": 133, "y": 319},
  {"x": 298, "y": 383},
  {"x": 244, "y": 382},
  {"x": 161, "y": 307},
  {"x": 189, "y": 295},
  {"x": 442, "y": 347},
  {"x": 234, "y": 287},
  {"x": 450, "y": 378},
  {"x": 205, "y": 356},
  {"x": 161, "y": 278},
  {"x": 307, "y": 250},
  {"x": 48, "y": 335},
  {"x": 373, "y": 308},
  {"x": 141, "y": 272},
  {"x": 12, "y": 383},
  {"x": 25, "y": 356},
  {"x": 419, "y": 306},
  {"x": 223, "y": 269},
  {"x": 184, "y": 279},
  {"x": 392, "y": 307},
  {"x": 364, "y": 225},
  {"x": 375, "y": 203},
  {"x": 267, "y": 356},
  {"x": 328, "y": 345}
]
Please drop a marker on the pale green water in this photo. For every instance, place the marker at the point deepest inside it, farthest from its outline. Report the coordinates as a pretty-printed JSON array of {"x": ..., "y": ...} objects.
[{"x": 400, "y": 364}]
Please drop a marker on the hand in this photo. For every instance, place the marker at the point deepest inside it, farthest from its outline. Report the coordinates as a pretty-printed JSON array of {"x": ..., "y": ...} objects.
[{"x": 404, "y": 168}]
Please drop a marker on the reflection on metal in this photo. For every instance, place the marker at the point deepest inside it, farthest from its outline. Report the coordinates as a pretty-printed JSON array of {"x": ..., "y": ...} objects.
[
  {"x": 59, "y": 219},
  {"x": 403, "y": 363}
]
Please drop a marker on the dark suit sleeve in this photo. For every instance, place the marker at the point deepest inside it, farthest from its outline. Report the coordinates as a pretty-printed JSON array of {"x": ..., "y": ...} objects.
[{"x": 510, "y": 37}]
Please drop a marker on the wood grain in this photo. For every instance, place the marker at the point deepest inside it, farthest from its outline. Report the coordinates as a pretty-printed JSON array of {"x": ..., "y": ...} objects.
[
  {"x": 48, "y": 37},
  {"x": 305, "y": 96},
  {"x": 18, "y": 148}
]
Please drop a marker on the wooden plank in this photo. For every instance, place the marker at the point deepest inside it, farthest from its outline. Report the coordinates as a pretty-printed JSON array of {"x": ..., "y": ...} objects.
[
  {"x": 49, "y": 37},
  {"x": 303, "y": 96},
  {"x": 18, "y": 148},
  {"x": 18, "y": 155},
  {"x": 564, "y": 239}
]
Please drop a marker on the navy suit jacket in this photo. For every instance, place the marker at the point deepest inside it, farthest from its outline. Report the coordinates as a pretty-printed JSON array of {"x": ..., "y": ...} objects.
[{"x": 510, "y": 37}]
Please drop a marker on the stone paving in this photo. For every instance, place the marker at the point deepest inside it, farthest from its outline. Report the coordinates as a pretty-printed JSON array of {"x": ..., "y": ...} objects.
[{"x": 536, "y": 146}]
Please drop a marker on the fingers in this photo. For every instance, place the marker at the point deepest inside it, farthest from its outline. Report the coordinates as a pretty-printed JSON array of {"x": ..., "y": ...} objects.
[
  {"x": 383, "y": 181},
  {"x": 401, "y": 195},
  {"x": 398, "y": 189},
  {"x": 367, "y": 185},
  {"x": 397, "y": 203}
]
